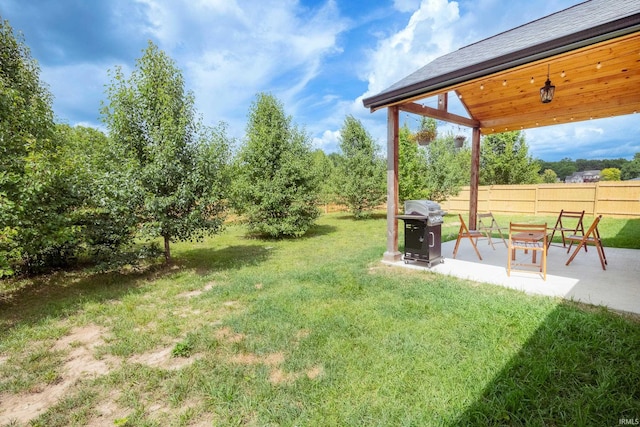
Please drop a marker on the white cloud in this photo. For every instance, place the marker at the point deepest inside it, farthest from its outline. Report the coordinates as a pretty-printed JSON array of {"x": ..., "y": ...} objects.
[
  {"x": 584, "y": 132},
  {"x": 329, "y": 141},
  {"x": 605, "y": 138},
  {"x": 428, "y": 35},
  {"x": 233, "y": 50}
]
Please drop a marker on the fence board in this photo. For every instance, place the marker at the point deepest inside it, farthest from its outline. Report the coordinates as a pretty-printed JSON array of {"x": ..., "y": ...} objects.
[{"x": 614, "y": 199}]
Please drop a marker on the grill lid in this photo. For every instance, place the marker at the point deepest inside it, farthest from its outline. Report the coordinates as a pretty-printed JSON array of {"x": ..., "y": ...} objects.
[{"x": 422, "y": 207}]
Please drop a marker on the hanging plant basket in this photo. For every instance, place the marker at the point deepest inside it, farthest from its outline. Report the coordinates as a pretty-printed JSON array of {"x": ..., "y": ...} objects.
[
  {"x": 458, "y": 141},
  {"x": 425, "y": 136}
]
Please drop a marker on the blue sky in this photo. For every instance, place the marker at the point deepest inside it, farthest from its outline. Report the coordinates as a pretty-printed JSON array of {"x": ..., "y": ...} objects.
[{"x": 319, "y": 58}]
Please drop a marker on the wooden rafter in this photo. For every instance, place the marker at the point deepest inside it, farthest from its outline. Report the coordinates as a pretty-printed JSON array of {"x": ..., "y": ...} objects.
[{"x": 422, "y": 110}]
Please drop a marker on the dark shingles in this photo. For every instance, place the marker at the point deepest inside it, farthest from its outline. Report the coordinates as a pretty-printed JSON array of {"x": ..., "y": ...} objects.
[{"x": 583, "y": 21}]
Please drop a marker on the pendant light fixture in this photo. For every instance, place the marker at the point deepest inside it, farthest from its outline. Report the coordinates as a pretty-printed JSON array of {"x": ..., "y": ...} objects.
[{"x": 547, "y": 91}]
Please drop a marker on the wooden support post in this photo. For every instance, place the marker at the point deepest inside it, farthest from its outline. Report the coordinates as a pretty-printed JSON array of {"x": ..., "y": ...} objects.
[
  {"x": 475, "y": 178},
  {"x": 392, "y": 254},
  {"x": 443, "y": 102}
]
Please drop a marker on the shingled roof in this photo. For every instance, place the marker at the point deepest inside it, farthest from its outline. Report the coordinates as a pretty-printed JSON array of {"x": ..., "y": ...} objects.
[{"x": 582, "y": 25}]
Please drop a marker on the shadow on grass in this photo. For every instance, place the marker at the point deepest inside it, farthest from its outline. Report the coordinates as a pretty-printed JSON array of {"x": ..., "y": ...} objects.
[
  {"x": 206, "y": 260},
  {"x": 373, "y": 216},
  {"x": 64, "y": 293},
  {"x": 628, "y": 237},
  {"x": 61, "y": 294},
  {"x": 580, "y": 367},
  {"x": 314, "y": 231},
  {"x": 319, "y": 230}
]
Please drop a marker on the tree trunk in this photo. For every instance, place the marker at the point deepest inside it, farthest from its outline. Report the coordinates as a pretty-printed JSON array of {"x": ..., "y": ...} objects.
[{"x": 167, "y": 249}]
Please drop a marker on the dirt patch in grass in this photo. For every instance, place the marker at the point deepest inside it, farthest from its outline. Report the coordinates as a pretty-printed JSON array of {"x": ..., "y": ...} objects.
[
  {"x": 277, "y": 375},
  {"x": 197, "y": 292},
  {"x": 163, "y": 359},
  {"x": 108, "y": 411},
  {"x": 79, "y": 364},
  {"x": 272, "y": 359}
]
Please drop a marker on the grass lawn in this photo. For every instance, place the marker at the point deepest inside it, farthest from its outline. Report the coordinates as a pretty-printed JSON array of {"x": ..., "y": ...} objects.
[{"x": 309, "y": 332}]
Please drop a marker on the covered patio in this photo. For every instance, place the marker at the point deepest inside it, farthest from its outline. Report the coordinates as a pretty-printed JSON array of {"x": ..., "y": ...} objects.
[
  {"x": 583, "y": 280},
  {"x": 589, "y": 53}
]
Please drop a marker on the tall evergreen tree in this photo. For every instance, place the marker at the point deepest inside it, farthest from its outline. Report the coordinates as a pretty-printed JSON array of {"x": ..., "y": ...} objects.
[
  {"x": 505, "y": 159},
  {"x": 447, "y": 168},
  {"x": 26, "y": 133},
  {"x": 362, "y": 179},
  {"x": 275, "y": 187},
  {"x": 324, "y": 170},
  {"x": 412, "y": 167},
  {"x": 181, "y": 163}
]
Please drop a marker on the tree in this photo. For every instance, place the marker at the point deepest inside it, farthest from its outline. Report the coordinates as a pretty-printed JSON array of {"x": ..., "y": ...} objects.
[
  {"x": 324, "y": 171},
  {"x": 610, "y": 174},
  {"x": 26, "y": 133},
  {"x": 412, "y": 167},
  {"x": 103, "y": 182},
  {"x": 631, "y": 169},
  {"x": 447, "y": 168},
  {"x": 362, "y": 171},
  {"x": 276, "y": 188},
  {"x": 549, "y": 176},
  {"x": 565, "y": 167},
  {"x": 504, "y": 159},
  {"x": 181, "y": 164}
]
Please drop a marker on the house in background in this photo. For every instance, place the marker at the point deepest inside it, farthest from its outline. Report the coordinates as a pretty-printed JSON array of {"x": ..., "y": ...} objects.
[{"x": 584, "y": 176}]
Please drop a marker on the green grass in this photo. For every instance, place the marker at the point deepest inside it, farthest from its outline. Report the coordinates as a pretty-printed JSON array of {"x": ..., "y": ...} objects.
[{"x": 315, "y": 331}]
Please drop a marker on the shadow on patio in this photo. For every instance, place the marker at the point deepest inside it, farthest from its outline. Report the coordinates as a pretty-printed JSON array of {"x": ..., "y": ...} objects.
[{"x": 583, "y": 280}]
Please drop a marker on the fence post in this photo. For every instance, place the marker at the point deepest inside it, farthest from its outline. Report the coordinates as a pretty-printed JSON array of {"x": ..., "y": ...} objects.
[
  {"x": 595, "y": 198},
  {"x": 536, "y": 201}
]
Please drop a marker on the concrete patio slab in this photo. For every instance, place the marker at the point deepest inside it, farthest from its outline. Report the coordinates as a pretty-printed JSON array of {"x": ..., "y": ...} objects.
[{"x": 584, "y": 280}]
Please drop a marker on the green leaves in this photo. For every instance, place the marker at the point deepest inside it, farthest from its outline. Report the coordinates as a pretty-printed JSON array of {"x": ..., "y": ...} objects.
[
  {"x": 26, "y": 128},
  {"x": 180, "y": 165},
  {"x": 504, "y": 159},
  {"x": 275, "y": 188},
  {"x": 362, "y": 179}
]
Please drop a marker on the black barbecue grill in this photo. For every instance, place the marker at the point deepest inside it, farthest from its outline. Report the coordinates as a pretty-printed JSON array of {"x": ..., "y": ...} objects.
[{"x": 422, "y": 231}]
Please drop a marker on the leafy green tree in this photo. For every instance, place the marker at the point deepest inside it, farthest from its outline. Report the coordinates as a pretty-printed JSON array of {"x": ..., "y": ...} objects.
[
  {"x": 412, "y": 167},
  {"x": 447, "y": 168},
  {"x": 504, "y": 159},
  {"x": 610, "y": 174},
  {"x": 565, "y": 167},
  {"x": 276, "y": 188},
  {"x": 362, "y": 178},
  {"x": 631, "y": 169},
  {"x": 102, "y": 180},
  {"x": 180, "y": 163},
  {"x": 549, "y": 176},
  {"x": 324, "y": 171},
  {"x": 26, "y": 132}
]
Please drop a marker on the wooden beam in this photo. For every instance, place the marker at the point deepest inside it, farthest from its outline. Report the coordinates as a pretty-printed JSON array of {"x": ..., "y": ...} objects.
[
  {"x": 421, "y": 110},
  {"x": 475, "y": 175},
  {"x": 443, "y": 102},
  {"x": 393, "y": 130}
]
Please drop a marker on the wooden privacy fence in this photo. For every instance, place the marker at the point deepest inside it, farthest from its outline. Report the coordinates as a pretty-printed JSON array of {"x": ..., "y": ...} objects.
[{"x": 609, "y": 198}]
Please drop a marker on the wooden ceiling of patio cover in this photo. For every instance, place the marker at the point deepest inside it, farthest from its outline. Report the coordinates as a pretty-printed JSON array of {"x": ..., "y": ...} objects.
[{"x": 597, "y": 81}]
